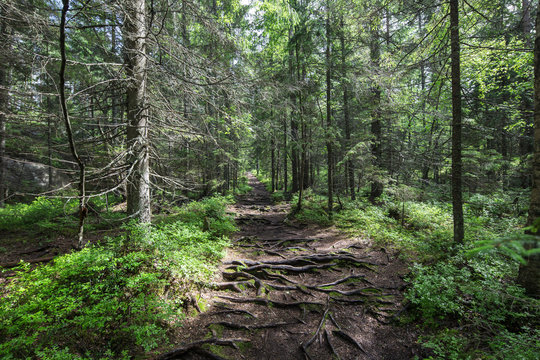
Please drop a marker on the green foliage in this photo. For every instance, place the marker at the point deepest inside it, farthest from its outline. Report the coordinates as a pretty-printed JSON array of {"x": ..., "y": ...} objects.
[
  {"x": 448, "y": 344},
  {"x": 278, "y": 196},
  {"x": 40, "y": 212},
  {"x": 54, "y": 215},
  {"x": 454, "y": 287},
  {"x": 208, "y": 214},
  {"x": 524, "y": 345},
  {"x": 314, "y": 208},
  {"x": 243, "y": 187},
  {"x": 114, "y": 298}
]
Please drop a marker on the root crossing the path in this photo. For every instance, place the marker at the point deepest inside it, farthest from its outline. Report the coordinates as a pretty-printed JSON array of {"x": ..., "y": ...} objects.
[{"x": 292, "y": 291}]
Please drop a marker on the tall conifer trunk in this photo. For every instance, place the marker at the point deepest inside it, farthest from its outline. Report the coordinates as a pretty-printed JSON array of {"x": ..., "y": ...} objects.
[
  {"x": 457, "y": 202},
  {"x": 138, "y": 186},
  {"x": 376, "y": 124},
  {"x": 3, "y": 110},
  {"x": 329, "y": 113},
  {"x": 349, "y": 166},
  {"x": 529, "y": 275}
]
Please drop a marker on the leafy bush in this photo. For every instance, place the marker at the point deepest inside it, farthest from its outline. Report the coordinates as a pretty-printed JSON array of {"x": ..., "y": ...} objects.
[
  {"x": 453, "y": 287},
  {"x": 51, "y": 214},
  {"x": 314, "y": 208},
  {"x": 116, "y": 298},
  {"x": 208, "y": 214},
  {"x": 243, "y": 187},
  {"x": 87, "y": 301},
  {"x": 278, "y": 196},
  {"x": 41, "y": 211}
]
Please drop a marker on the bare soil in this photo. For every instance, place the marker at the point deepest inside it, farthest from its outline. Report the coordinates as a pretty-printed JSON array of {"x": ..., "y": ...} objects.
[{"x": 296, "y": 291}]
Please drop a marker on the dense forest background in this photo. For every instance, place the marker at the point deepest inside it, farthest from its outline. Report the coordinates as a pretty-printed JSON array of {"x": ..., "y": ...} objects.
[{"x": 407, "y": 121}]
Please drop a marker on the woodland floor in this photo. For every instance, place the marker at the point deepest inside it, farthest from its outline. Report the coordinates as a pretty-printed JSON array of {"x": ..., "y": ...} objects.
[{"x": 296, "y": 291}]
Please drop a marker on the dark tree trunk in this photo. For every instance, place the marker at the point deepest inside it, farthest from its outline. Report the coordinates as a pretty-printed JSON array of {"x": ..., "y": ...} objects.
[
  {"x": 376, "y": 125},
  {"x": 330, "y": 154},
  {"x": 526, "y": 146},
  {"x": 457, "y": 202},
  {"x": 138, "y": 181},
  {"x": 529, "y": 275},
  {"x": 349, "y": 166},
  {"x": 3, "y": 110},
  {"x": 304, "y": 126},
  {"x": 273, "y": 171},
  {"x": 83, "y": 211},
  {"x": 294, "y": 124},
  {"x": 285, "y": 174}
]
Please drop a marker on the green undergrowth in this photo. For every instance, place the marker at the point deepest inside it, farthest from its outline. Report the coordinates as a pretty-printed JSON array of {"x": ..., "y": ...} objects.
[
  {"x": 243, "y": 187},
  {"x": 58, "y": 215},
  {"x": 314, "y": 208},
  {"x": 118, "y": 298},
  {"x": 464, "y": 297}
]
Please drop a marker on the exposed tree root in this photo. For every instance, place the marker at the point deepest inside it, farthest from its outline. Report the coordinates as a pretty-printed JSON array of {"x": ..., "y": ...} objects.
[
  {"x": 297, "y": 272},
  {"x": 196, "y": 347},
  {"x": 275, "y": 303},
  {"x": 331, "y": 345},
  {"x": 235, "y": 326},
  {"x": 207, "y": 354},
  {"x": 276, "y": 244},
  {"x": 252, "y": 219},
  {"x": 312, "y": 339},
  {"x": 233, "y": 285},
  {"x": 345, "y": 279},
  {"x": 349, "y": 339},
  {"x": 305, "y": 260},
  {"x": 227, "y": 310}
]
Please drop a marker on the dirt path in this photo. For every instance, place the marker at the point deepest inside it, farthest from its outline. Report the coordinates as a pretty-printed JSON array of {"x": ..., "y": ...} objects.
[{"x": 295, "y": 292}]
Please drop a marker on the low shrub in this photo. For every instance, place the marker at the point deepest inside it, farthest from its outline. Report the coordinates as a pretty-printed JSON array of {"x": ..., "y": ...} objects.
[
  {"x": 39, "y": 212},
  {"x": 456, "y": 290},
  {"x": 116, "y": 299},
  {"x": 314, "y": 208}
]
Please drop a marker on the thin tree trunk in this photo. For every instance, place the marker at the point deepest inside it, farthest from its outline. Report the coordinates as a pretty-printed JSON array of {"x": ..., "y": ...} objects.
[
  {"x": 285, "y": 174},
  {"x": 329, "y": 114},
  {"x": 376, "y": 126},
  {"x": 273, "y": 171},
  {"x": 83, "y": 211},
  {"x": 49, "y": 148},
  {"x": 305, "y": 154},
  {"x": 138, "y": 186},
  {"x": 457, "y": 202},
  {"x": 529, "y": 275},
  {"x": 349, "y": 166},
  {"x": 3, "y": 111},
  {"x": 4, "y": 97},
  {"x": 294, "y": 124}
]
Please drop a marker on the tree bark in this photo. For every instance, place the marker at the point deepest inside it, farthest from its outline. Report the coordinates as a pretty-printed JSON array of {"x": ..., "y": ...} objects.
[
  {"x": 457, "y": 202},
  {"x": 138, "y": 181},
  {"x": 3, "y": 111},
  {"x": 329, "y": 113},
  {"x": 349, "y": 166},
  {"x": 294, "y": 124},
  {"x": 285, "y": 174},
  {"x": 376, "y": 125},
  {"x": 83, "y": 211},
  {"x": 273, "y": 157},
  {"x": 529, "y": 275}
]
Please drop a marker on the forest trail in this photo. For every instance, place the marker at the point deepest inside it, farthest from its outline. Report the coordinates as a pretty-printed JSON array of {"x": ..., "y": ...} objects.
[{"x": 291, "y": 291}]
